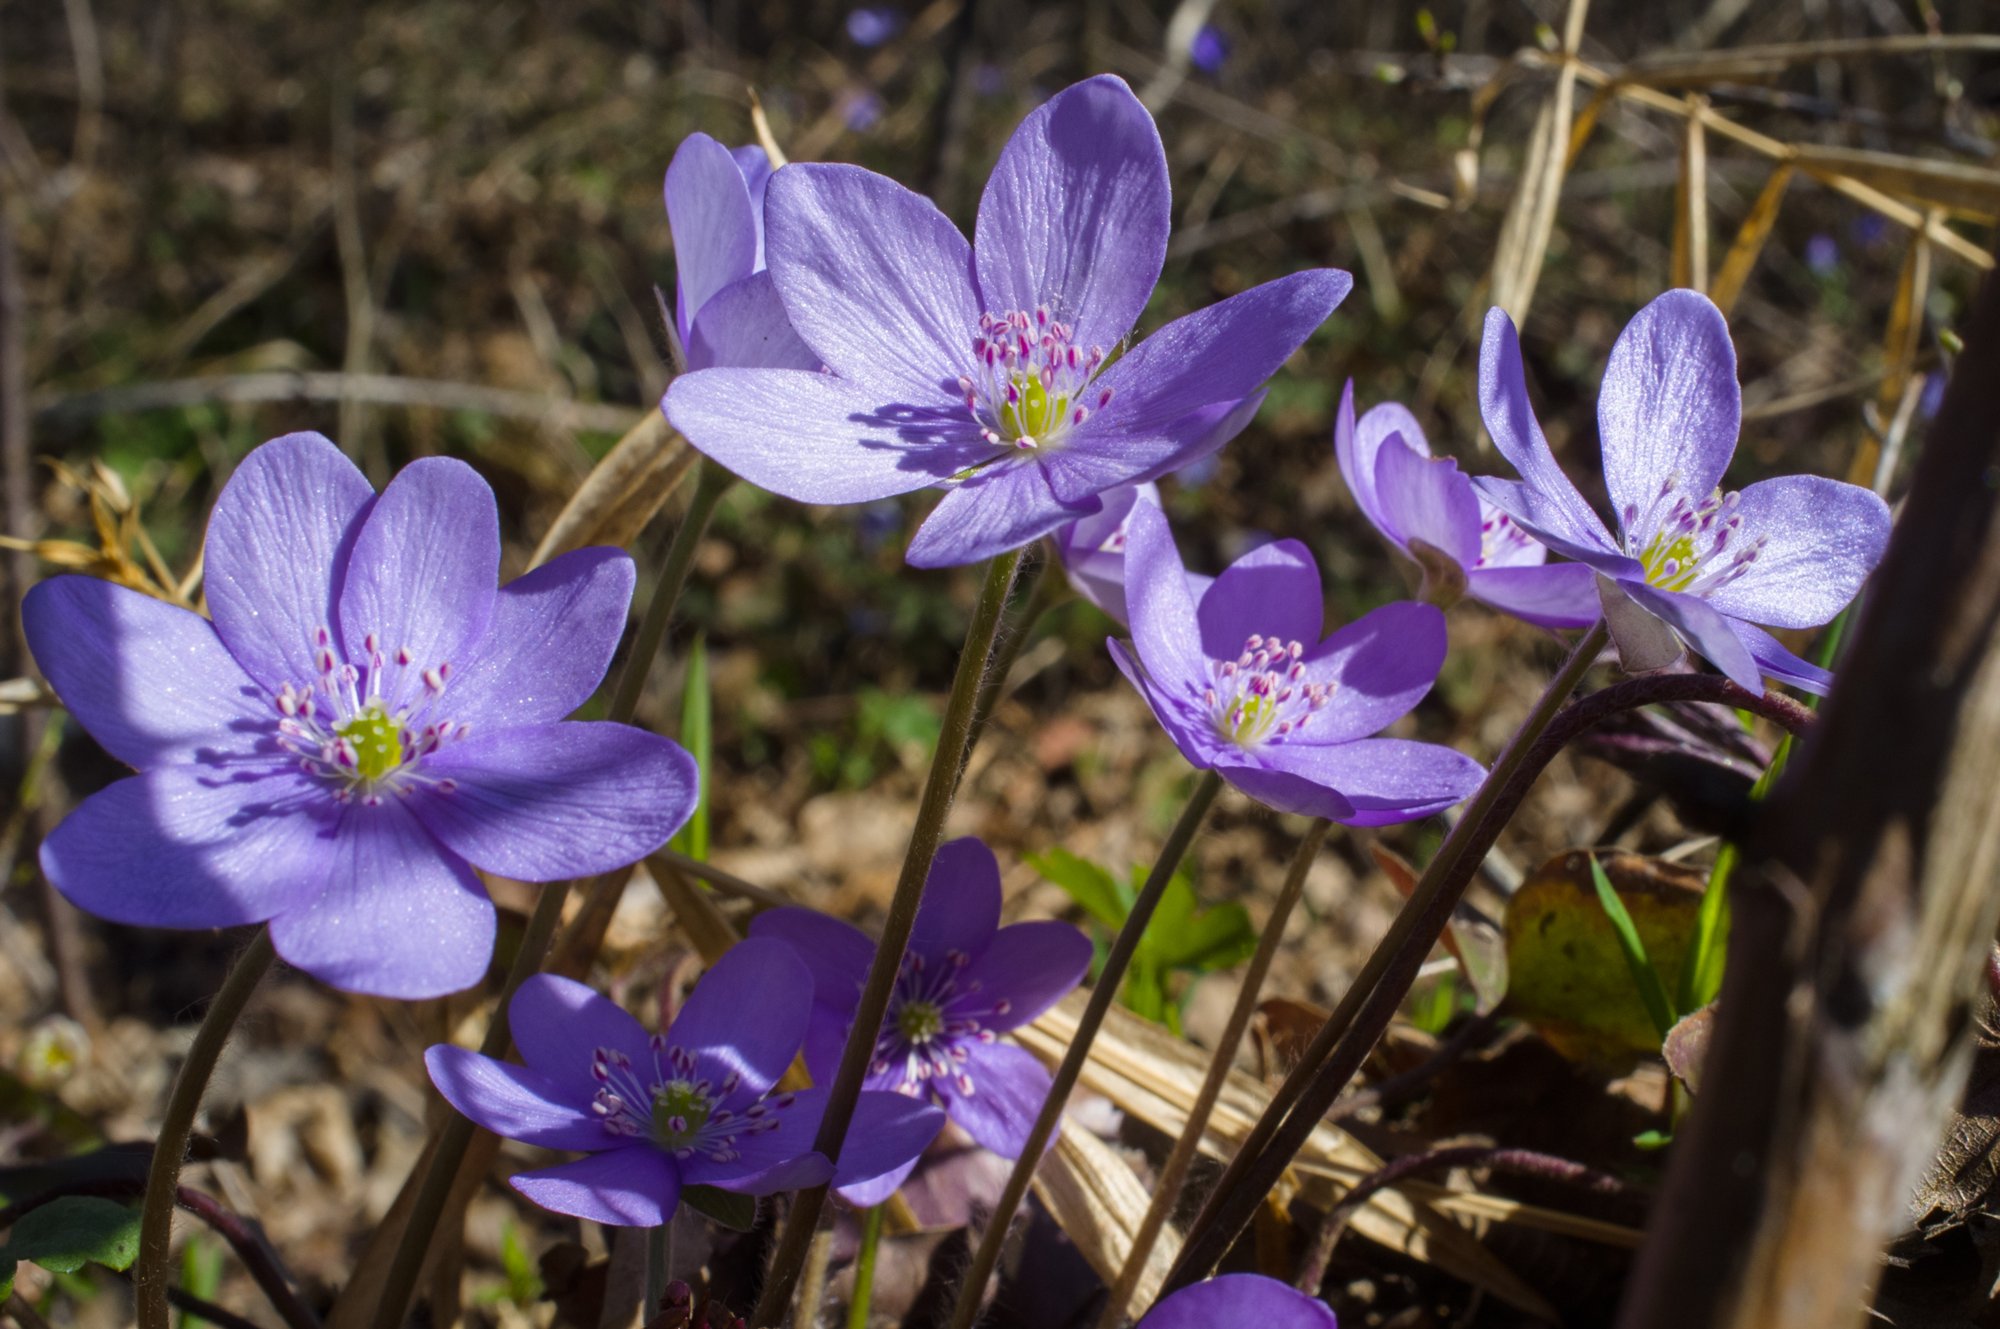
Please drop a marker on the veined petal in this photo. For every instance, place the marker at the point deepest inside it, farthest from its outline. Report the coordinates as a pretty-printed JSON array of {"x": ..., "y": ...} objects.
[
  {"x": 1669, "y": 409},
  {"x": 993, "y": 511},
  {"x": 399, "y": 916},
  {"x": 1544, "y": 519},
  {"x": 1821, "y": 539},
  {"x": 277, "y": 549},
  {"x": 1285, "y": 791},
  {"x": 837, "y": 953},
  {"x": 1008, "y": 1086},
  {"x": 713, "y": 225},
  {"x": 1192, "y": 733},
  {"x": 961, "y": 904},
  {"x": 547, "y": 801},
  {"x": 1090, "y": 469},
  {"x": 423, "y": 572},
  {"x": 190, "y": 847},
  {"x": 1165, "y": 629},
  {"x": 1387, "y": 780},
  {"x": 1425, "y": 498},
  {"x": 814, "y": 438},
  {"x": 1095, "y": 572},
  {"x": 1382, "y": 665},
  {"x": 637, "y": 1186},
  {"x": 1031, "y": 966},
  {"x": 1702, "y": 627},
  {"x": 1561, "y": 513},
  {"x": 868, "y": 1194},
  {"x": 745, "y": 326},
  {"x": 151, "y": 682},
  {"x": 748, "y": 1013},
  {"x": 1272, "y": 591},
  {"x": 513, "y": 1101},
  {"x": 875, "y": 280},
  {"x": 888, "y": 1130},
  {"x": 1524, "y": 552},
  {"x": 1356, "y": 445},
  {"x": 548, "y": 643},
  {"x": 1555, "y": 595},
  {"x": 559, "y": 1023},
  {"x": 1239, "y": 1299},
  {"x": 1077, "y": 212},
  {"x": 1775, "y": 662}
]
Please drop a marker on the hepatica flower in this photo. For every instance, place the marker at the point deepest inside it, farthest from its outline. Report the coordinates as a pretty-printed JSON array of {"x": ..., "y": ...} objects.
[
  {"x": 726, "y": 311},
  {"x": 365, "y": 720},
  {"x": 992, "y": 369},
  {"x": 1431, "y": 513},
  {"x": 1239, "y": 1299},
  {"x": 1691, "y": 563},
  {"x": 965, "y": 981},
  {"x": 697, "y": 1105},
  {"x": 1246, "y": 687}
]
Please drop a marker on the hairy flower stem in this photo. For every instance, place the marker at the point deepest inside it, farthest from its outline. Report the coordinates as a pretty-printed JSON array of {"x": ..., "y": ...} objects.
[
  {"x": 152, "y": 1272},
  {"x": 711, "y": 482},
  {"x": 1050, "y": 588},
  {"x": 864, "y": 1268},
  {"x": 1102, "y": 994},
  {"x": 1173, "y": 1173},
  {"x": 947, "y": 764}
]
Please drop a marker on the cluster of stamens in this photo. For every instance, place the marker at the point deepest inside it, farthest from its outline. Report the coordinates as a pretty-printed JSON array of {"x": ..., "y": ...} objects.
[
  {"x": 1698, "y": 549},
  {"x": 1263, "y": 695},
  {"x": 675, "y": 1106},
  {"x": 1501, "y": 540},
  {"x": 352, "y": 728},
  {"x": 1031, "y": 381},
  {"x": 928, "y": 1028}
]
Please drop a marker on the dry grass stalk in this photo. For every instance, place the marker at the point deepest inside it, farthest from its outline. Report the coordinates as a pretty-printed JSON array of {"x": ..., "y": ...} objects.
[
  {"x": 1690, "y": 262},
  {"x": 1971, "y": 192},
  {"x": 1900, "y": 343},
  {"x": 1531, "y": 217},
  {"x": 1748, "y": 246},
  {"x": 623, "y": 492}
]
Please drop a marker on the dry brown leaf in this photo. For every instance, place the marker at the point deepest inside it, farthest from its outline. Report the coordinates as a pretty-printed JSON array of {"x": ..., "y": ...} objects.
[
  {"x": 621, "y": 494},
  {"x": 1099, "y": 1201}
]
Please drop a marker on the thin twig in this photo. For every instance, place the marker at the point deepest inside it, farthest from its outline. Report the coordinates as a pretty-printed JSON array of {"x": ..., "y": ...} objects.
[{"x": 254, "y": 1251}]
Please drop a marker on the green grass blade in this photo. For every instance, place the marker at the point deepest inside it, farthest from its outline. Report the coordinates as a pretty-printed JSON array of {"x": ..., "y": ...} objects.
[{"x": 1652, "y": 990}]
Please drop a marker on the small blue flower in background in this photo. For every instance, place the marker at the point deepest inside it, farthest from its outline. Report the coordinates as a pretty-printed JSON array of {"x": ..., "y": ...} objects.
[
  {"x": 1239, "y": 1300},
  {"x": 695, "y": 1105},
  {"x": 1210, "y": 49},
  {"x": 1692, "y": 563},
  {"x": 1822, "y": 254},
  {"x": 871, "y": 25},
  {"x": 965, "y": 980},
  {"x": 1241, "y": 680},
  {"x": 365, "y": 720},
  {"x": 861, "y": 109}
]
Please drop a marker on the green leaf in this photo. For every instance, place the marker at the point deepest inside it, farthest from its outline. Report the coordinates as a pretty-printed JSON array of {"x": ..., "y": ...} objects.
[
  {"x": 1094, "y": 890},
  {"x": 65, "y": 1234},
  {"x": 1651, "y": 990},
  {"x": 698, "y": 737},
  {"x": 1652, "y": 1139},
  {"x": 736, "y": 1212}
]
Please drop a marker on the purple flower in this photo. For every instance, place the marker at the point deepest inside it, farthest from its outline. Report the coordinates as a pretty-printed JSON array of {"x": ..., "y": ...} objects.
[
  {"x": 988, "y": 369},
  {"x": 871, "y": 25},
  {"x": 726, "y": 311},
  {"x": 693, "y": 1106},
  {"x": 1822, "y": 254},
  {"x": 1092, "y": 551},
  {"x": 965, "y": 980},
  {"x": 1245, "y": 687},
  {"x": 1691, "y": 563},
  {"x": 1463, "y": 544},
  {"x": 1239, "y": 1299},
  {"x": 365, "y": 720},
  {"x": 861, "y": 109},
  {"x": 1209, "y": 50}
]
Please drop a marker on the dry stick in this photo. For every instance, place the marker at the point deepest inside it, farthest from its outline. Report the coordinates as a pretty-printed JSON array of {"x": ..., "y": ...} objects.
[
  {"x": 1448, "y": 855},
  {"x": 1439, "y": 893},
  {"x": 1102, "y": 994},
  {"x": 150, "y": 1273},
  {"x": 1167, "y": 1186},
  {"x": 947, "y": 763}
]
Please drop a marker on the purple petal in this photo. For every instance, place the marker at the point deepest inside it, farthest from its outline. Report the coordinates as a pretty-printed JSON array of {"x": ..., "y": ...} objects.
[
  {"x": 423, "y": 575},
  {"x": 1283, "y": 791},
  {"x": 1425, "y": 498},
  {"x": 151, "y": 682},
  {"x": 748, "y": 1013},
  {"x": 1382, "y": 663},
  {"x": 868, "y": 1194},
  {"x": 837, "y": 953},
  {"x": 1535, "y": 513},
  {"x": 1821, "y": 540},
  {"x": 1557, "y": 595},
  {"x": 1248, "y": 1299},
  {"x": 188, "y": 847},
  {"x": 765, "y": 1165},
  {"x": 400, "y": 917},
  {"x": 1272, "y": 591},
  {"x": 1514, "y": 551},
  {"x": 1194, "y": 735},
  {"x": 637, "y": 1186},
  {"x": 813, "y": 438},
  {"x": 1503, "y": 403},
  {"x": 546, "y": 801},
  {"x": 1030, "y": 966},
  {"x": 745, "y": 326},
  {"x": 278, "y": 544},
  {"x": 1223, "y": 353},
  {"x": 1702, "y": 627},
  {"x": 1165, "y": 630},
  {"x": 875, "y": 279},
  {"x": 1357, "y": 444},
  {"x": 713, "y": 225},
  {"x": 961, "y": 904},
  {"x": 888, "y": 1131},
  {"x": 1775, "y": 662},
  {"x": 1008, "y": 1086},
  {"x": 994, "y": 511},
  {"x": 559, "y": 1023},
  {"x": 548, "y": 644},
  {"x": 1093, "y": 467},
  {"x": 513, "y": 1101},
  {"x": 1669, "y": 408},
  {"x": 1092, "y": 548},
  {"x": 1387, "y": 780},
  {"x": 1076, "y": 213}
]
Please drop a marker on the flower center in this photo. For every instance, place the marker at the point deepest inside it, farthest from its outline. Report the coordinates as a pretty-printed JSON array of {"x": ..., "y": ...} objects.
[
  {"x": 356, "y": 728},
  {"x": 1031, "y": 385},
  {"x": 1263, "y": 695},
  {"x": 680, "y": 1109},
  {"x": 670, "y": 1103},
  {"x": 920, "y": 1021},
  {"x": 374, "y": 739},
  {"x": 935, "y": 1020},
  {"x": 1700, "y": 549}
]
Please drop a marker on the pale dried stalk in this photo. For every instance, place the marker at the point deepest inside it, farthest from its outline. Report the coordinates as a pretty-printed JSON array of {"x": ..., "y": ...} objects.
[{"x": 1531, "y": 218}]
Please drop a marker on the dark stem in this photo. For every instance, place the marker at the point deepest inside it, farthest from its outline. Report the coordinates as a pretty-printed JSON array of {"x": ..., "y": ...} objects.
[
  {"x": 1050, "y": 589},
  {"x": 711, "y": 482},
  {"x": 1401, "y": 1088},
  {"x": 189, "y": 1304},
  {"x": 150, "y": 1272},
  {"x": 255, "y": 1253},
  {"x": 947, "y": 764},
  {"x": 1428, "y": 910},
  {"x": 1102, "y": 994}
]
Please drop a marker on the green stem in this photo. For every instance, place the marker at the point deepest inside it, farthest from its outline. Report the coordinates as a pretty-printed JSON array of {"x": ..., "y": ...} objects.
[
  {"x": 864, "y": 1268},
  {"x": 1173, "y": 1173},
  {"x": 947, "y": 763},
  {"x": 710, "y": 484},
  {"x": 152, "y": 1273},
  {"x": 659, "y": 1256},
  {"x": 1051, "y": 588},
  {"x": 1102, "y": 994},
  {"x": 1205, "y": 1242}
]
